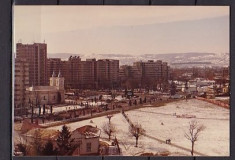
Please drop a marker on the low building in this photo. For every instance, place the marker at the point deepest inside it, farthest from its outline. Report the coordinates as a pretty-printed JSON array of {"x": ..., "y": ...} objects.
[
  {"x": 210, "y": 93},
  {"x": 87, "y": 140}
]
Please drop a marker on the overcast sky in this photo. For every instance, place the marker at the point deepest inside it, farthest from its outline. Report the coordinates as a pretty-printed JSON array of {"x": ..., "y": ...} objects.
[{"x": 124, "y": 29}]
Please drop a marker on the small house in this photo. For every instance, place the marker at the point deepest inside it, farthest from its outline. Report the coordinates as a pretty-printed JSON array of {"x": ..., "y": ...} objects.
[{"x": 86, "y": 139}]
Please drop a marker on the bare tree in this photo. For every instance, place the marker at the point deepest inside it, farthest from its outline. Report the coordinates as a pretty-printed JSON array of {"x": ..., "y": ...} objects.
[
  {"x": 109, "y": 129},
  {"x": 193, "y": 133},
  {"x": 37, "y": 142},
  {"x": 136, "y": 131},
  {"x": 109, "y": 117}
]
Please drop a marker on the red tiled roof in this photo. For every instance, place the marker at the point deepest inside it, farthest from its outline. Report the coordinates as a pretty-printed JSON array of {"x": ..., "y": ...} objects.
[{"x": 88, "y": 130}]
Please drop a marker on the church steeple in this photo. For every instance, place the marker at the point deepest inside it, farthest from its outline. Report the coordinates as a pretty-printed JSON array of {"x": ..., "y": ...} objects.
[
  {"x": 60, "y": 81},
  {"x": 59, "y": 74},
  {"x": 53, "y": 74},
  {"x": 53, "y": 79}
]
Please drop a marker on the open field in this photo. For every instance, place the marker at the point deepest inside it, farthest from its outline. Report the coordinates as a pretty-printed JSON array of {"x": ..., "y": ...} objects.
[{"x": 161, "y": 123}]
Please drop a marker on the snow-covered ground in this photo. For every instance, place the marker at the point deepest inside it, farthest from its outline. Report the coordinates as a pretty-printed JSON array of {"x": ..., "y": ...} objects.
[
  {"x": 161, "y": 123},
  {"x": 223, "y": 98},
  {"x": 59, "y": 109},
  {"x": 69, "y": 107}
]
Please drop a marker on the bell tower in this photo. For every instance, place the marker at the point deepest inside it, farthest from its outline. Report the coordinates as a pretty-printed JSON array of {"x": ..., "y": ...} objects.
[
  {"x": 60, "y": 82},
  {"x": 53, "y": 79}
]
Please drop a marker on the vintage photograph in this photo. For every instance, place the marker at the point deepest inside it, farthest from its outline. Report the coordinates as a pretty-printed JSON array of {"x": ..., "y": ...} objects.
[{"x": 121, "y": 81}]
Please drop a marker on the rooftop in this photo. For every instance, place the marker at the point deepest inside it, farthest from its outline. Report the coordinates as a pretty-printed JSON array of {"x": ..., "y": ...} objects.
[{"x": 89, "y": 131}]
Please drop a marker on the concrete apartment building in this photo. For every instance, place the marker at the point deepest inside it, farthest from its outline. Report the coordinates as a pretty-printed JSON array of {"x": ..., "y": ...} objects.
[
  {"x": 159, "y": 69},
  {"x": 73, "y": 68},
  {"x": 165, "y": 71},
  {"x": 70, "y": 70},
  {"x": 87, "y": 71},
  {"x": 150, "y": 70},
  {"x": 145, "y": 73},
  {"x": 130, "y": 76},
  {"x": 53, "y": 65},
  {"x": 107, "y": 73},
  {"x": 130, "y": 72},
  {"x": 87, "y": 74},
  {"x": 153, "y": 69},
  {"x": 21, "y": 81},
  {"x": 36, "y": 55},
  {"x": 113, "y": 71}
]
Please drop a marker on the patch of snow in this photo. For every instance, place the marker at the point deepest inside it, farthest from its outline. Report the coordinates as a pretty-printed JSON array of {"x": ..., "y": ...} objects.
[{"x": 161, "y": 123}]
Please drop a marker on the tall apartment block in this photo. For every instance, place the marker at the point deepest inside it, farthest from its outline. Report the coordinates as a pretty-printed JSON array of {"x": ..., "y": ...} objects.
[
  {"x": 72, "y": 69},
  {"x": 36, "y": 55},
  {"x": 21, "y": 81},
  {"x": 90, "y": 73},
  {"x": 165, "y": 71},
  {"x": 53, "y": 65},
  {"x": 130, "y": 72},
  {"x": 155, "y": 70},
  {"x": 148, "y": 74},
  {"x": 87, "y": 72},
  {"x": 130, "y": 76},
  {"x": 107, "y": 72}
]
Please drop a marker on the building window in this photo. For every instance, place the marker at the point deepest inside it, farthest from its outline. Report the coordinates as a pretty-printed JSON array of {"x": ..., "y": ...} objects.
[
  {"x": 44, "y": 97},
  {"x": 54, "y": 97},
  {"x": 88, "y": 147}
]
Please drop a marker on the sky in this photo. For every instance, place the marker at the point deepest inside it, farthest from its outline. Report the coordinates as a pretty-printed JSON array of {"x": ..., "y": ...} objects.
[{"x": 124, "y": 29}]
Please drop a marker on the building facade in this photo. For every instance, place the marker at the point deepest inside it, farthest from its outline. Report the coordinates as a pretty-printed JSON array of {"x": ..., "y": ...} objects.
[
  {"x": 130, "y": 76},
  {"x": 107, "y": 73},
  {"x": 47, "y": 95},
  {"x": 36, "y": 55},
  {"x": 156, "y": 70},
  {"x": 87, "y": 140},
  {"x": 88, "y": 74},
  {"x": 53, "y": 65},
  {"x": 21, "y": 82},
  {"x": 145, "y": 74}
]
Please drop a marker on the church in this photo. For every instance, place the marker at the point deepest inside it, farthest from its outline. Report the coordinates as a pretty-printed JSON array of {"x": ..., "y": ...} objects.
[{"x": 48, "y": 95}]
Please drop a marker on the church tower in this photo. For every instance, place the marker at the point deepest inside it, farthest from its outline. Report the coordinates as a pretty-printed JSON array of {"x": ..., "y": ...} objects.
[
  {"x": 53, "y": 79},
  {"x": 60, "y": 82}
]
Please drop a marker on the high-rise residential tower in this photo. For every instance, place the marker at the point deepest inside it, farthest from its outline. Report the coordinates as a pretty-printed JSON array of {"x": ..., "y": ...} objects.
[
  {"x": 36, "y": 55},
  {"x": 107, "y": 72},
  {"x": 21, "y": 81}
]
